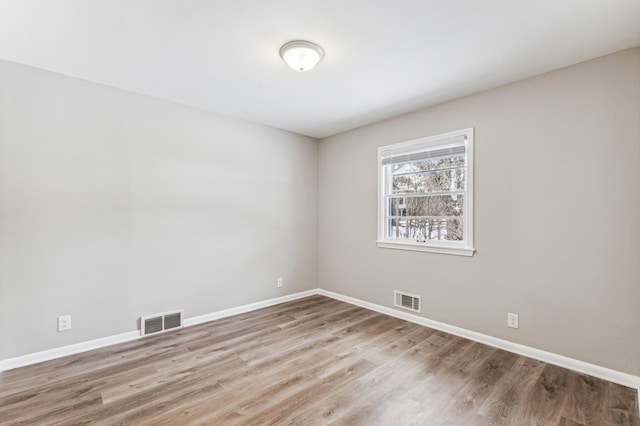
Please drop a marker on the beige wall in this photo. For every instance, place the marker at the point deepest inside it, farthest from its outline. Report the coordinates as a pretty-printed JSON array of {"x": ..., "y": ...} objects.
[
  {"x": 115, "y": 205},
  {"x": 108, "y": 196},
  {"x": 557, "y": 223}
]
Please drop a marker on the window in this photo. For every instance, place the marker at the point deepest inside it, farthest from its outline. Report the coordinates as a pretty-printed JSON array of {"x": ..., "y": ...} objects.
[{"x": 425, "y": 195}]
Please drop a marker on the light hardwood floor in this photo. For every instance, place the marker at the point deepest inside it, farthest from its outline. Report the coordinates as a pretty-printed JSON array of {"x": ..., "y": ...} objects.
[{"x": 314, "y": 361}]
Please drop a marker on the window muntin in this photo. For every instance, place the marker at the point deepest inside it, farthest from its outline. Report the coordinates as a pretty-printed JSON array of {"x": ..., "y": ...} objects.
[{"x": 426, "y": 194}]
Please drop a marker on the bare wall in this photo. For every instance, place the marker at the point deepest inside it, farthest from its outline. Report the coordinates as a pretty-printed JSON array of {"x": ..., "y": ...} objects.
[
  {"x": 115, "y": 205},
  {"x": 557, "y": 201}
]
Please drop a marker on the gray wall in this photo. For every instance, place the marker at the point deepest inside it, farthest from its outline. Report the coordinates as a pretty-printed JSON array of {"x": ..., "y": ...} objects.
[
  {"x": 115, "y": 205},
  {"x": 108, "y": 196},
  {"x": 557, "y": 225}
]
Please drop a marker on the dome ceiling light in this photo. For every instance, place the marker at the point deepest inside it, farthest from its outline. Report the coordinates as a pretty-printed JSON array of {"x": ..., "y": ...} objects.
[{"x": 301, "y": 55}]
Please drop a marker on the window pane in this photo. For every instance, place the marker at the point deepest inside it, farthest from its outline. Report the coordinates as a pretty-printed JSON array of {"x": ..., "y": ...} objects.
[
  {"x": 425, "y": 182},
  {"x": 444, "y": 229},
  {"x": 437, "y": 205}
]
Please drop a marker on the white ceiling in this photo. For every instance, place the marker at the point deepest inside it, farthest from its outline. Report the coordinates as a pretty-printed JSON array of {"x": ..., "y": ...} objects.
[{"x": 382, "y": 57}]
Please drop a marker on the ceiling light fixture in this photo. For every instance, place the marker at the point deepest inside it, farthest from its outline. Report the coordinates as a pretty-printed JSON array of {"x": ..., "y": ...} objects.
[{"x": 301, "y": 55}]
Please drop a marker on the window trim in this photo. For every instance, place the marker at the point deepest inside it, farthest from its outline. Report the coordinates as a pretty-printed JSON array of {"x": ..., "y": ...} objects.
[{"x": 463, "y": 248}]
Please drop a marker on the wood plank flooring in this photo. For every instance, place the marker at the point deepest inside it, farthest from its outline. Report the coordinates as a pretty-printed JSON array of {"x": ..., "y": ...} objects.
[{"x": 314, "y": 361}]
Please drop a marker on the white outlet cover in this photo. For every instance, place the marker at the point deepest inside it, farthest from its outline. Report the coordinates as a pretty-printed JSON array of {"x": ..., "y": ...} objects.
[
  {"x": 64, "y": 322},
  {"x": 512, "y": 320}
]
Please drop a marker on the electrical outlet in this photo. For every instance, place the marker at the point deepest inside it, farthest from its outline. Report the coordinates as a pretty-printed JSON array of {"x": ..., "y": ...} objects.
[
  {"x": 279, "y": 283},
  {"x": 512, "y": 320},
  {"x": 64, "y": 323}
]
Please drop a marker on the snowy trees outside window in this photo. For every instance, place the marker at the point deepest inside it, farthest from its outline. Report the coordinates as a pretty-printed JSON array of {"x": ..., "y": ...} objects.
[{"x": 426, "y": 194}]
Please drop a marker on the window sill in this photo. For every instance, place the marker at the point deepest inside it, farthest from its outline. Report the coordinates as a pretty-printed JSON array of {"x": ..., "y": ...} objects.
[{"x": 458, "y": 251}]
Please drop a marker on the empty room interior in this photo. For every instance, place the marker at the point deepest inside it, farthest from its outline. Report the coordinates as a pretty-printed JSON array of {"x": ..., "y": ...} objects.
[{"x": 320, "y": 212}]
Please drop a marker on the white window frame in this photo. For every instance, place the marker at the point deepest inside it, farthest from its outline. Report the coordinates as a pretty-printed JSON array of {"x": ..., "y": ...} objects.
[{"x": 462, "y": 248}]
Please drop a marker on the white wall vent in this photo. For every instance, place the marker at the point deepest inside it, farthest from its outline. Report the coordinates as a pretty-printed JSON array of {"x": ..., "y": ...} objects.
[
  {"x": 159, "y": 323},
  {"x": 407, "y": 301}
]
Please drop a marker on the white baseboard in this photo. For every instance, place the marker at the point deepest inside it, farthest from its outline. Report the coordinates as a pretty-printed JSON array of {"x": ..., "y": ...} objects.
[
  {"x": 551, "y": 358},
  {"x": 247, "y": 308},
  {"x": 34, "y": 358},
  {"x": 548, "y": 357}
]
